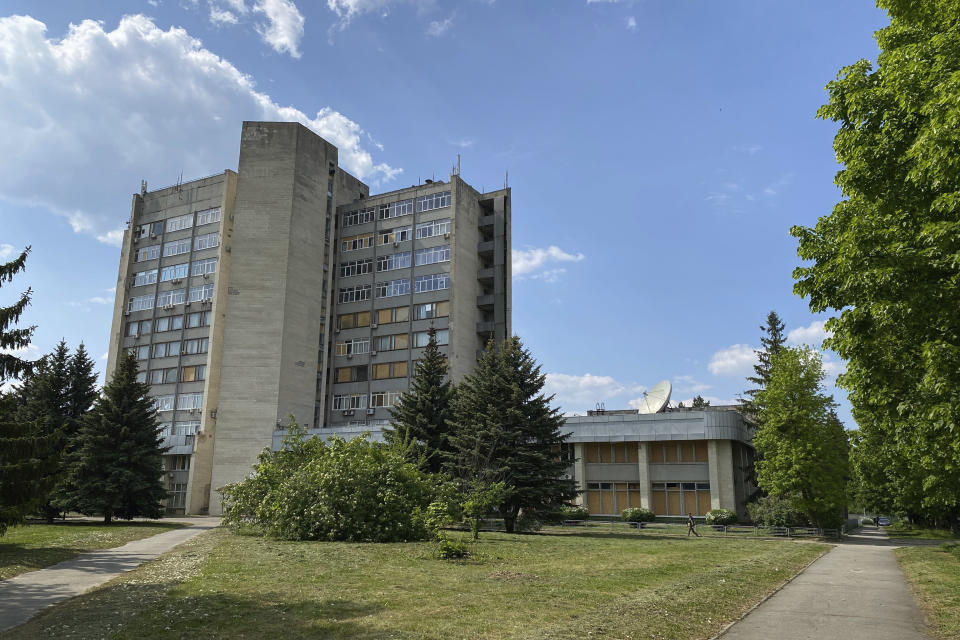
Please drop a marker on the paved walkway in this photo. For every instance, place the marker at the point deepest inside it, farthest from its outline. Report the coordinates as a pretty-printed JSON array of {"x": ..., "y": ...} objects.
[
  {"x": 23, "y": 596},
  {"x": 854, "y": 592}
]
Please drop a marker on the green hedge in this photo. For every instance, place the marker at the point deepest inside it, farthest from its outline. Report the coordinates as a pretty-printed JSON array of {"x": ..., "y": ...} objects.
[{"x": 637, "y": 514}]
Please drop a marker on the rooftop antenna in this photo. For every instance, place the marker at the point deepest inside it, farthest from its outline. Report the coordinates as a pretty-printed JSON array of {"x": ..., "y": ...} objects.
[
  {"x": 179, "y": 187},
  {"x": 654, "y": 400},
  {"x": 458, "y": 164},
  {"x": 506, "y": 179},
  {"x": 143, "y": 187},
  {"x": 601, "y": 408}
]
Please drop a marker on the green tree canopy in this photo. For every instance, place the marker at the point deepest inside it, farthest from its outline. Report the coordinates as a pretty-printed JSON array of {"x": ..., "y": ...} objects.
[
  {"x": 118, "y": 460},
  {"x": 801, "y": 443},
  {"x": 886, "y": 259}
]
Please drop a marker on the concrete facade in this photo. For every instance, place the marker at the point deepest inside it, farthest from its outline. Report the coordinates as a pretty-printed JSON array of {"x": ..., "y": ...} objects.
[{"x": 297, "y": 238}]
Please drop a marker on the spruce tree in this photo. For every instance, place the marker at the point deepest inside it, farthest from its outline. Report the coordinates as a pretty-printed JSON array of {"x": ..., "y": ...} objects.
[
  {"x": 423, "y": 410},
  {"x": 80, "y": 394},
  {"x": 772, "y": 342},
  {"x": 505, "y": 430},
  {"x": 118, "y": 460},
  {"x": 23, "y": 447}
]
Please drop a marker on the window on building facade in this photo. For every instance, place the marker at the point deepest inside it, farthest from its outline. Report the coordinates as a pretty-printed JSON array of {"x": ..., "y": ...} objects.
[
  {"x": 141, "y": 352},
  {"x": 433, "y": 201},
  {"x": 356, "y": 346},
  {"x": 166, "y": 349},
  {"x": 681, "y": 498},
  {"x": 141, "y": 376},
  {"x": 196, "y": 345},
  {"x": 144, "y": 277},
  {"x": 193, "y": 373},
  {"x": 174, "y": 271},
  {"x": 208, "y": 216},
  {"x": 153, "y": 229},
  {"x": 361, "y": 216},
  {"x": 384, "y": 398},
  {"x": 421, "y": 338},
  {"x": 179, "y": 222},
  {"x": 354, "y": 294},
  {"x": 169, "y": 323},
  {"x": 199, "y": 319},
  {"x": 176, "y": 247},
  {"x": 398, "y": 234},
  {"x": 177, "y": 496},
  {"x": 431, "y": 310},
  {"x": 393, "y": 288},
  {"x": 353, "y": 320},
  {"x": 342, "y": 402},
  {"x": 393, "y": 261},
  {"x": 678, "y": 451},
  {"x": 140, "y": 303},
  {"x": 186, "y": 427},
  {"x": 433, "y": 282},
  {"x": 605, "y": 452},
  {"x": 148, "y": 253},
  {"x": 201, "y": 267},
  {"x": 433, "y": 228},
  {"x": 396, "y": 209},
  {"x": 163, "y": 403},
  {"x": 180, "y": 463},
  {"x": 611, "y": 498},
  {"x": 352, "y": 374},
  {"x": 394, "y": 314},
  {"x": 392, "y": 343},
  {"x": 354, "y": 243},
  {"x": 433, "y": 255},
  {"x": 163, "y": 376},
  {"x": 173, "y": 296},
  {"x": 201, "y": 292},
  {"x": 356, "y": 268},
  {"x": 186, "y": 401},
  {"x": 206, "y": 241},
  {"x": 387, "y": 370},
  {"x": 139, "y": 328}
]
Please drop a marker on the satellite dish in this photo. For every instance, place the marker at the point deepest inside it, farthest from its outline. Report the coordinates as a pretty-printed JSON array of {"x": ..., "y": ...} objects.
[{"x": 654, "y": 400}]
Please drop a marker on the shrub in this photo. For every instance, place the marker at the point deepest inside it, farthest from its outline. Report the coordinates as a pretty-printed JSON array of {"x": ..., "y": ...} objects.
[
  {"x": 450, "y": 548},
  {"x": 572, "y": 512},
  {"x": 342, "y": 490},
  {"x": 637, "y": 514},
  {"x": 721, "y": 516},
  {"x": 774, "y": 511}
]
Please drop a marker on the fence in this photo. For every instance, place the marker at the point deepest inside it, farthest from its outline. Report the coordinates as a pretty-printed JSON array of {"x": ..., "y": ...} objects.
[{"x": 733, "y": 530}]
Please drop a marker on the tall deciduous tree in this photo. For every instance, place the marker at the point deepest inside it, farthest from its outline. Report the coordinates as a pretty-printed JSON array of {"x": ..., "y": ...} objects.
[
  {"x": 886, "y": 259},
  {"x": 424, "y": 409},
  {"x": 505, "y": 430},
  {"x": 23, "y": 447},
  {"x": 802, "y": 444},
  {"x": 118, "y": 467}
]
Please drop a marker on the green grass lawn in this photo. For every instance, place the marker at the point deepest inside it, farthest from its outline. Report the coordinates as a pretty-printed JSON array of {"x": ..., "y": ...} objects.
[
  {"x": 934, "y": 574},
  {"x": 561, "y": 584},
  {"x": 35, "y": 546},
  {"x": 907, "y": 530}
]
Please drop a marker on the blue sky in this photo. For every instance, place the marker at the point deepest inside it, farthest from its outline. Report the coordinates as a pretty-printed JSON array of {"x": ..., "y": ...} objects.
[{"x": 659, "y": 152}]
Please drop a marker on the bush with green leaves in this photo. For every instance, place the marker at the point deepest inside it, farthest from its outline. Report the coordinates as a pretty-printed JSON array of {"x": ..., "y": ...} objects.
[
  {"x": 721, "y": 516},
  {"x": 637, "y": 514},
  {"x": 575, "y": 512},
  {"x": 772, "y": 511},
  {"x": 353, "y": 490}
]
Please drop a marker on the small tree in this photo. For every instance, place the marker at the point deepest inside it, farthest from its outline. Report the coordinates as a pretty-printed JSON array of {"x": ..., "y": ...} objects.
[
  {"x": 801, "y": 443},
  {"x": 424, "y": 409},
  {"x": 118, "y": 463},
  {"x": 700, "y": 403}
]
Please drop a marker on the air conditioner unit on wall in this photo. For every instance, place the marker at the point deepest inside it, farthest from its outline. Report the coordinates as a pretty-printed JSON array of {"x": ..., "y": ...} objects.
[
  {"x": 370, "y": 412},
  {"x": 348, "y": 412},
  {"x": 373, "y": 352}
]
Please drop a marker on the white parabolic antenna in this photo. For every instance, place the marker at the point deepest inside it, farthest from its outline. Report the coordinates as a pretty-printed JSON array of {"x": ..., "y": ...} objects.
[{"x": 654, "y": 400}]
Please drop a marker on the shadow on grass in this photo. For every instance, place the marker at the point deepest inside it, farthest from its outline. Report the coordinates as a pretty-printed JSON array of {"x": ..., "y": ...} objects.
[
  {"x": 135, "y": 611},
  {"x": 613, "y": 535}
]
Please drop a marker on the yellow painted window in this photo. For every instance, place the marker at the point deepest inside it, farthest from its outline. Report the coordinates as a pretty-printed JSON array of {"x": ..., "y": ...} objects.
[
  {"x": 399, "y": 369},
  {"x": 632, "y": 452},
  {"x": 381, "y": 371},
  {"x": 590, "y": 452},
  {"x": 443, "y": 309},
  {"x": 343, "y": 374},
  {"x": 623, "y": 500},
  {"x": 690, "y": 502},
  {"x": 384, "y": 316},
  {"x": 620, "y": 452},
  {"x": 363, "y": 319},
  {"x": 402, "y": 314},
  {"x": 593, "y": 501},
  {"x": 341, "y": 348},
  {"x": 346, "y": 321},
  {"x": 703, "y": 502},
  {"x": 674, "y": 508},
  {"x": 401, "y": 341},
  {"x": 606, "y": 506},
  {"x": 701, "y": 453},
  {"x": 660, "y": 502},
  {"x": 670, "y": 451},
  {"x": 686, "y": 451}
]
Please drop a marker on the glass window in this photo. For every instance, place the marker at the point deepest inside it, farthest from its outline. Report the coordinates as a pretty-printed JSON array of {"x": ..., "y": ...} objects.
[
  {"x": 176, "y": 247},
  {"x": 433, "y": 282},
  {"x": 354, "y": 294},
  {"x": 398, "y": 234},
  {"x": 356, "y": 268},
  {"x": 431, "y": 310},
  {"x": 361, "y": 216},
  {"x": 148, "y": 253},
  {"x": 201, "y": 267},
  {"x": 393, "y": 288},
  {"x": 193, "y": 373},
  {"x": 353, "y": 243},
  {"x": 393, "y": 261},
  {"x": 396, "y": 209},
  {"x": 384, "y": 398},
  {"x": 140, "y": 303},
  {"x": 349, "y": 401},
  {"x": 179, "y": 222},
  {"x": 206, "y": 241},
  {"x": 163, "y": 403},
  {"x": 203, "y": 292},
  {"x": 421, "y": 338},
  {"x": 144, "y": 277},
  {"x": 433, "y": 255},
  {"x": 190, "y": 401},
  {"x": 174, "y": 271},
  {"x": 433, "y": 201},
  {"x": 433, "y": 228},
  {"x": 208, "y": 215}
]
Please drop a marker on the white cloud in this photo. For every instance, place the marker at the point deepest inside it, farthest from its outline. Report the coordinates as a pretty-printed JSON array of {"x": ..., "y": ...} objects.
[
  {"x": 284, "y": 28},
  {"x": 142, "y": 102},
  {"x": 525, "y": 262},
  {"x": 237, "y": 5},
  {"x": 437, "y": 28},
  {"x": 220, "y": 16},
  {"x": 106, "y": 354},
  {"x": 689, "y": 384},
  {"x": 573, "y": 392},
  {"x": 549, "y": 275},
  {"x": 631, "y": 23},
  {"x": 7, "y": 251},
  {"x": 346, "y": 10},
  {"x": 29, "y": 352},
  {"x": 813, "y": 335},
  {"x": 114, "y": 237},
  {"x": 735, "y": 360},
  {"x": 463, "y": 143}
]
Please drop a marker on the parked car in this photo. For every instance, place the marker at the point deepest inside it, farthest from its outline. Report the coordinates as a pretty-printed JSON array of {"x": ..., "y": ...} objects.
[{"x": 883, "y": 522}]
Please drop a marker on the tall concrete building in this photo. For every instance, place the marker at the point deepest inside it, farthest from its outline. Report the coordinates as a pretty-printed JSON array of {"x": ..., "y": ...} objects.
[{"x": 285, "y": 289}]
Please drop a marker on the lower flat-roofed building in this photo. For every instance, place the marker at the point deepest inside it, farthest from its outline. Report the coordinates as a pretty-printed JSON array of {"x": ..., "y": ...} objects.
[{"x": 677, "y": 462}]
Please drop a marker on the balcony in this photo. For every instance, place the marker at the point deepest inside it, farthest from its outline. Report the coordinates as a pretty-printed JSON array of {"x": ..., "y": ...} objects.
[
  {"x": 485, "y": 221},
  {"x": 485, "y": 274},
  {"x": 178, "y": 445},
  {"x": 485, "y": 301},
  {"x": 485, "y": 247},
  {"x": 485, "y": 327}
]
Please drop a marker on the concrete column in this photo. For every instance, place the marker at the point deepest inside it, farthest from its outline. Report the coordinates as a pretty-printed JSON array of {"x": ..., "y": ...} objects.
[
  {"x": 643, "y": 458},
  {"x": 722, "y": 490},
  {"x": 579, "y": 473}
]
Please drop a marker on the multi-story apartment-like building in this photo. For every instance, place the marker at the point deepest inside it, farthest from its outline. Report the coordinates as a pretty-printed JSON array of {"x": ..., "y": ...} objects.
[{"x": 285, "y": 289}]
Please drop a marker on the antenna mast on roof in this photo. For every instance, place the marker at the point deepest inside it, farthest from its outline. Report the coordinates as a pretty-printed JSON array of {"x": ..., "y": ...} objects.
[
  {"x": 506, "y": 179},
  {"x": 179, "y": 186}
]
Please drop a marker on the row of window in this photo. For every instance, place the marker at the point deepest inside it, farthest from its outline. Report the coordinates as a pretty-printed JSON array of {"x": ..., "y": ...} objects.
[
  {"x": 393, "y": 261},
  {"x": 342, "y": 402},
  {"x": 177, "y": 223},
  {"x": 610, "y": 452},
  {"x": 397, "y": 234},
  {"x": 389, "y": 343},
  {"x": 396, "y": 209},
  {"x": 173, "y": 296},
  {"x": 193, "y": 373},
  {"x": 178, "y": 247},
  {"x": 424, "y": 311},
  {"x": 433, "y": 201},
  {"x": 381, "y": 371},
  {"x": 681, "y": 451},
  {"x": 167, "y": 349},
  {"x": 392, "y": 288},
  {"x": 175, "y": 271},
  {"x": 681, "y": 498},
  {"x": 169, "y": 323},
  {"x": 180, "y": 402},
  {"x": 178, "y": 428}
]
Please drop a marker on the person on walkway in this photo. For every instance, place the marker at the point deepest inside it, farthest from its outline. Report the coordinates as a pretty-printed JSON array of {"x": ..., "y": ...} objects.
[{"x": 691, "y": 526}]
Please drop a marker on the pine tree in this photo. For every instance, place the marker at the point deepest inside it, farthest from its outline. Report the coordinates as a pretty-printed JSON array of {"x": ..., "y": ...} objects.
[
  {"x": 22, "y": 447},
  {"x": 118, "y": 461},
  {"x": 423, "y": 410},
  {"x": 772, "y": 342},
  {"x": 505, "y": 430},
  {"x": 81, "y": 393}
]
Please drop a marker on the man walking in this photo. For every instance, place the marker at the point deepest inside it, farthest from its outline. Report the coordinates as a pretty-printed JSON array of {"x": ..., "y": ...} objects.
[{"x": 691, "y": 526}]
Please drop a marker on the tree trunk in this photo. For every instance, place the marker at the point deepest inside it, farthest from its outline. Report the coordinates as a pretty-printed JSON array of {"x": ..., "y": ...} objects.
[{"x": 107, "y": 518}]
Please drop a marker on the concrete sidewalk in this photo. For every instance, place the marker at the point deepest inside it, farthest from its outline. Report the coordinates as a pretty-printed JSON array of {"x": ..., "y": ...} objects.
[
  {"x": 23, "y": 596},
  {"x": 856, "y": 591}
]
